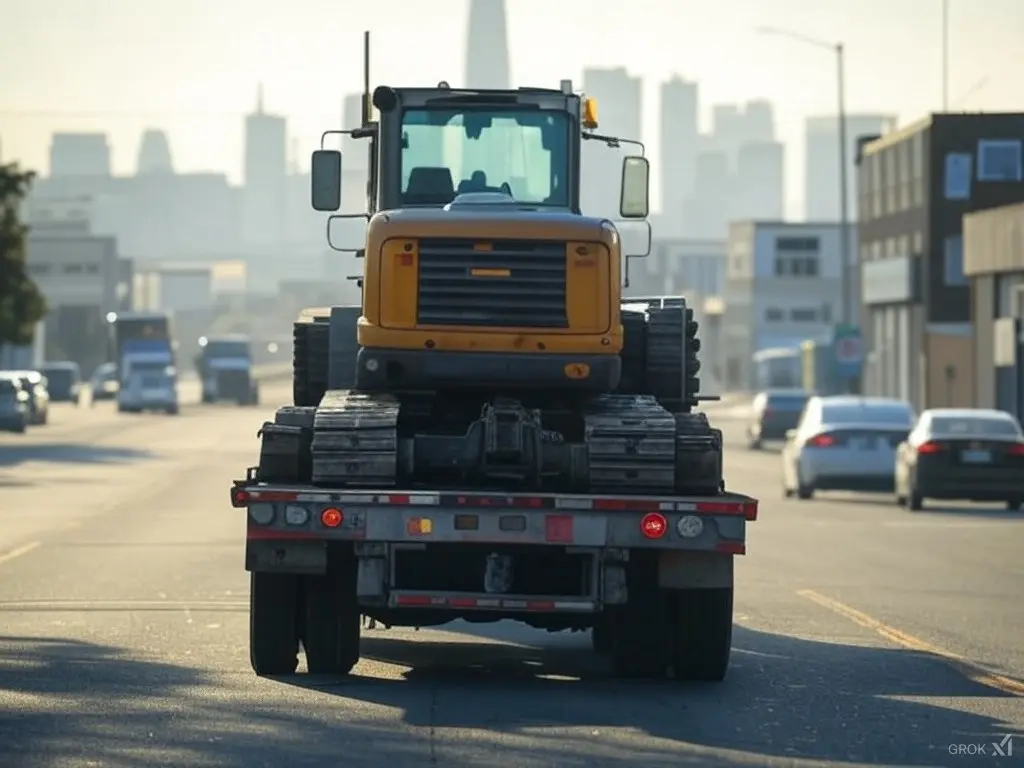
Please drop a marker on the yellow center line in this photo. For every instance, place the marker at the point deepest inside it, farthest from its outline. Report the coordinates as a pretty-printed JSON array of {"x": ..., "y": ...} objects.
[
  {"x": 24, "y": 549},
  {"x": 971, "y": 669}
]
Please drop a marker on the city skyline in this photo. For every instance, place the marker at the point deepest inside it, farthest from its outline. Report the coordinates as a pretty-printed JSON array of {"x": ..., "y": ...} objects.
[{"x": 213, "y": 108}]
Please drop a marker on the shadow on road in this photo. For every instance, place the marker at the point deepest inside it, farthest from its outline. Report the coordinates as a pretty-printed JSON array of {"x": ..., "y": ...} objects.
[
  {"x": 945, "y": 509},
  {"x": 475, "y": 703},
  {"x": 785, "y": 697},
  {"x": 69, "y": 453}
]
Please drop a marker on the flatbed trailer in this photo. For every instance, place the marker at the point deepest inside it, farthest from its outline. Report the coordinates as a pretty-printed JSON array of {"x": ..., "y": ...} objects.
[{"x": 651, "y": 576}]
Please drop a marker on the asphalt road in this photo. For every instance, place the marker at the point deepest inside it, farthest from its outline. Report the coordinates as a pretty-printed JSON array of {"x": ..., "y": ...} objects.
[{"x": 866, "y": 634}]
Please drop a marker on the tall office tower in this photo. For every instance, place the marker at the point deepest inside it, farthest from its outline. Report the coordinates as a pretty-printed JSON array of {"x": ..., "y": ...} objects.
[
  {"x": 154, "y": 153},
  {"x": 707, "y": 215},
  {"x": 619, "y": 97},
  {"x": 760, "y": 120},
  {"x": 266, "y": 169},
  {"x": 759, "y": 186},
  {"x": 680, "y": 110},
  {"x": 821, "y": 169},
  {"x": 487, "y": 53},
  {"x": 79, "y": 154}
]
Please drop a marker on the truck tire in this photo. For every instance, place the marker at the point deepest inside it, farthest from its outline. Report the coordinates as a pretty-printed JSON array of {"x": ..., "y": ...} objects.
[
  {"x": 665, "y": 353},
  {"x": 330, "y": 632},
  {"x": 273, "y": 617},
  {"x": 702, "y": 638},
  {"x": 634, "y": 354},
  {"x": 311, "y": 350},
  {"x": 640, "y": 636},
  {"x": 344, "y": 347}
]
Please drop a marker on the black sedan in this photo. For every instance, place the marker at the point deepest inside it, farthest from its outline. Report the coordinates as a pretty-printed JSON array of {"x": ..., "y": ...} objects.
[
  {"x": 773, "y": 413},
  {"x": 965, "y": 454}
]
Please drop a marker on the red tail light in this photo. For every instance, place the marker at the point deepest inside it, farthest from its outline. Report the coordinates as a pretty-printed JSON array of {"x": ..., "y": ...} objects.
[
  {"x": 822, "y": 441},
  {"x": 930, "y": 447},
  {"x": 1017, "y": 449}
]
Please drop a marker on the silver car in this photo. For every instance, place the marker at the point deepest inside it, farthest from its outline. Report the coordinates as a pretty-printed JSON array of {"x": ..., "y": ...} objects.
[{"x": 845, "y": 443}]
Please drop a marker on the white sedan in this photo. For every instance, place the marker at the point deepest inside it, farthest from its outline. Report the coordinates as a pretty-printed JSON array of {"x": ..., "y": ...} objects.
[{"x": 845, "y": 443}]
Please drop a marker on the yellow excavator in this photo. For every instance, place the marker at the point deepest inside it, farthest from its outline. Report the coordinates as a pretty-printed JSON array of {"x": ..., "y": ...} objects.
[{"x": 491, "y": 348}]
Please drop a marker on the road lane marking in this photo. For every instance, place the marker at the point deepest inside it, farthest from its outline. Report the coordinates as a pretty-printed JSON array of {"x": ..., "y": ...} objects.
[
  {"x": 24, "y": 549},
  {"x": 971, "y": 669}
]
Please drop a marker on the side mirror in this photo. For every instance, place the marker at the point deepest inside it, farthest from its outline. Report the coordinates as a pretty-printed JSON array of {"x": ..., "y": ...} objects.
[
  {"x": 325, "y": 175},
  {"x": 634, "y": 198},
  {"x": 790, "y": 435}
]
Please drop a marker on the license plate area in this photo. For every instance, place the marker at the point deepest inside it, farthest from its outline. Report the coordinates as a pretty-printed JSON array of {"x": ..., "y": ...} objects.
[{"x": 976, "y": 456}]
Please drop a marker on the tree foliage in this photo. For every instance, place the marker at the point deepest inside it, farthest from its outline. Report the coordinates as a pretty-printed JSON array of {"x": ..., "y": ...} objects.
[{"x": 21, "y": 303}]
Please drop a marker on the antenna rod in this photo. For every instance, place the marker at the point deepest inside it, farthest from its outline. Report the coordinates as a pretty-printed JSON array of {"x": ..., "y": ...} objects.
[{"x": 366, "y": 77}]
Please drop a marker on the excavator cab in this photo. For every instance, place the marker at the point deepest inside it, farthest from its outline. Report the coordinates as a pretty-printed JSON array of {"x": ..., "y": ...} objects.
[{"x": 479, "y": 268}]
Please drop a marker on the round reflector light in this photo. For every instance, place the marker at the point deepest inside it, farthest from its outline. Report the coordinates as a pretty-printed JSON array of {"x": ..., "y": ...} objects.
[
  {"x": 653, "y": 526},
  {"x": 332, "y": 517}
]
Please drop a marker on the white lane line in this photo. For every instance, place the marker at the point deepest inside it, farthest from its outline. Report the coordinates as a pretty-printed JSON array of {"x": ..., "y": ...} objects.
[{"x": 24, "y": 549}]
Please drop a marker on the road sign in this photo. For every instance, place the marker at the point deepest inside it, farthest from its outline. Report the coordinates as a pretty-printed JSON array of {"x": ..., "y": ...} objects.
[{"x": 848, "y": 350}]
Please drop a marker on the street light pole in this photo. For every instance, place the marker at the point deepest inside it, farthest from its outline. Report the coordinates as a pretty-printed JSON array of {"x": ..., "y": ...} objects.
[
  {"x": 844, "y": 202},
  {"x": 845, "y": 284}
]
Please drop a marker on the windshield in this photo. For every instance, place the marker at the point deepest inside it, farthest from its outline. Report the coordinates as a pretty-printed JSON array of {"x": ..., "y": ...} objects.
[
  {"x": 868, "y": 414},
  {"x": 60, "y": 377},
  {"x": 226, "y": 349},
  {"x": 521, "y": 152},
  {"x": 150, "y": 367},
  {"x": 946, "y": 426},
  {"x": 787, "y": 402}
]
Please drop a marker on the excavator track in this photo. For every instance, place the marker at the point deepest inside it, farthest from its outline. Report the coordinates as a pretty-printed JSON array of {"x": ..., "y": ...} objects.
[
  {"x": 633, "y": 444},
  {"x": 355, "y": 439},
  {"x": 630, "y": 444}
]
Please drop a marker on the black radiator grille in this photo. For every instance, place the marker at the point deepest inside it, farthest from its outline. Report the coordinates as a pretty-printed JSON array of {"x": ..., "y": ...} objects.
[{"x": 532, "y": 295}]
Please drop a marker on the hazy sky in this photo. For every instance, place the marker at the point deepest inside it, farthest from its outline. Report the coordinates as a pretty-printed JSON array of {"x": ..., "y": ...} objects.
[{"x": 192, "y": 66}]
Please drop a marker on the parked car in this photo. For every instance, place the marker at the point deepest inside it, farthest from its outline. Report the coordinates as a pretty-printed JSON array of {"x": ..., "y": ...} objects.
[
  {"x": 773, "y": 413},
  {"x": 34, "y": 383},
  {"x": 13, "y": 404},
  {"x": 845, "y": 443},
  {"x": 64, "y": 381},
  {"x": 974, "y": 454}
]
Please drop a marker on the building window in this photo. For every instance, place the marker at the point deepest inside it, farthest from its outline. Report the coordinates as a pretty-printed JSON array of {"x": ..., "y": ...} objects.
[
  {"x": 803, "y": 315},
  {"x": 91, "y": 269},
  {"x": 917, "y": 244},
  {"x": 954, "y": 260},
  {"x": 796, "y": 266},
  {"x": 72, "y": 269},
  {"x": 774, "y": 315},
  {"x": 826, "y": 313},
  {"x": 999, "y": 160},
  {"x": 39, "y": 269}
]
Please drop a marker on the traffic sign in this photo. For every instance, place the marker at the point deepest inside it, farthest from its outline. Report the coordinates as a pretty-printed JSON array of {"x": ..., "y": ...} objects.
[{"x": 848, "y": 350}]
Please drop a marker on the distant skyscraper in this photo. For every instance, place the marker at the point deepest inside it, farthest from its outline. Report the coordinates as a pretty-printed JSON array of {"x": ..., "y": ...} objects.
[
  {"x": 759, "y": 182},
  {"x": 821, "y": 168},
  {"x": 79, "y": 154},
  {"x": 619, "y": 100},
  {"x": 679, "y": 137},
  {"x": 487, "y": 52},
  {"x": 154, "y": 153},
  {"x": 266, "y": 169}
]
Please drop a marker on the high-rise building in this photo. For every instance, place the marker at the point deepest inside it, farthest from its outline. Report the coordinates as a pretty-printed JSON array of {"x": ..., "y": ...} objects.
[
  {"x": 759, "y": 182},
  {"x": 266, "y": 170},
  {"x": 821, "y": 170},
  {"x": 680, "y": 112},
  {"x": 79, "y": 154},
  {"x": 154, "y": 153},
  {"x": 619, "y": 96},
  {"x": 487, "y": 51}
]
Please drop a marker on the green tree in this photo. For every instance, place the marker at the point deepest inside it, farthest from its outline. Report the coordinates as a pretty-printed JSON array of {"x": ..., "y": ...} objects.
[{"x": 21, "y": 303}]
